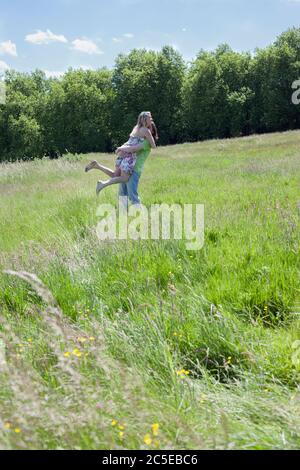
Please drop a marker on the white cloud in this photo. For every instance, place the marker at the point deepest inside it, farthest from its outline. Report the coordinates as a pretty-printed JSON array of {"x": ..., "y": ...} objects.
[
  {"x": 9, "y": 48},
  {"x": 126, "y": 35},
  {"x": 3, "y": 66},
  {"x": 86, "y": 46},
  {"x": 45, "y": 37}
]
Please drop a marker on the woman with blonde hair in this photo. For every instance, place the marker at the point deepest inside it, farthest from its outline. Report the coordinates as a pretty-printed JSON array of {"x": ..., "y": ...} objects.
[{"x": 127, "y": 154}]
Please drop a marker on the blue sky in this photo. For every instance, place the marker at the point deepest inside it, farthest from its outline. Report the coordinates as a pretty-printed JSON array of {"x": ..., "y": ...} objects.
[{"x": 54, "y": 35}]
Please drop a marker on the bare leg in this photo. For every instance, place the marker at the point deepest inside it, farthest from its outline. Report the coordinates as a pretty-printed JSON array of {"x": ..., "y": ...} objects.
[
  {"x": 96, "y": 166},
  {"x": 124, "y": 178}
]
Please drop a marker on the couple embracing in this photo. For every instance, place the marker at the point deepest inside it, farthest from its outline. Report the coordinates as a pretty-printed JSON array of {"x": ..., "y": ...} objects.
[{"x": 130, "y": 160}]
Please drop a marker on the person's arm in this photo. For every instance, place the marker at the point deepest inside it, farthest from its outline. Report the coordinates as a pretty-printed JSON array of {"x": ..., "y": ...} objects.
[
  {"x": 150, "y": 139},
  {"x": 129, "y": 148}
]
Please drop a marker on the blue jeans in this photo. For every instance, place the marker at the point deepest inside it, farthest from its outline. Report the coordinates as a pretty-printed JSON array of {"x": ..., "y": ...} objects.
[{"x": 130, "y": 189}]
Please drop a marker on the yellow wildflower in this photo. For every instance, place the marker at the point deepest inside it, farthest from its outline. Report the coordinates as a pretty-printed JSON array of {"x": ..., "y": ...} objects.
[
  {"x": 76, "y": 352},
  {"x": 114, "y": 422},
  {"x": 121, "y": 427},
  {"x": 155, "y": 428},
  {"x": 121, "y": 434},
  {"x": 17, "y": 430},
  {"x": 7, "y": 425},
  {"x": 92, "y": 338},
  {"x": 67, "y": 354},
  {"x": 147, "y": 439},
  {"x": 181, "y": 373},
  {"x": 81, "y": 339}
]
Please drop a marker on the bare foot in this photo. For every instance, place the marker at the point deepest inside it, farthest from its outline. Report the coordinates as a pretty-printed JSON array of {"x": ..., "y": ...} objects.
[
  {"x": 91, "y": 165},
  {"x": 99, "y": 187}
]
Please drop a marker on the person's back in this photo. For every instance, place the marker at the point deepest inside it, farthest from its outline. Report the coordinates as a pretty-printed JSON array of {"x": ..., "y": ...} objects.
[
  {"x": 139, "y": 132},
  {"x": 134, "y": 140},
  {"x": 142, "y": 156}
]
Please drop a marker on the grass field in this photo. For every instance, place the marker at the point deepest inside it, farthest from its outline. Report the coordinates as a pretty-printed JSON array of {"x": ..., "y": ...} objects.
[{"x": 149, "y": 345}]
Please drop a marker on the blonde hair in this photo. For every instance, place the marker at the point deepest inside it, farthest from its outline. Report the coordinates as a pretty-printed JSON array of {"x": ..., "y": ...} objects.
[{"x": 142, "y": 119}]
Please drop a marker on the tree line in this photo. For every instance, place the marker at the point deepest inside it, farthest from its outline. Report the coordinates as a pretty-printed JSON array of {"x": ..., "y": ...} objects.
[{"x": 220, "y": 94}]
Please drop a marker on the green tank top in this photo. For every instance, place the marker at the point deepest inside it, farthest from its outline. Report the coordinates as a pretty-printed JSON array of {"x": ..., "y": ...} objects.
[{"x": 142, "y": 156}]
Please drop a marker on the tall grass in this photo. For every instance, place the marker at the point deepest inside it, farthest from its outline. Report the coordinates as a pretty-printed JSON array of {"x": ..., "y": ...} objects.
[{"x": 118, "y": 336}]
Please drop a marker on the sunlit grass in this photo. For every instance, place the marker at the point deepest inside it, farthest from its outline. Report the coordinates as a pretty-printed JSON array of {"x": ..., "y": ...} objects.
[{"x": 197, "y": 344}]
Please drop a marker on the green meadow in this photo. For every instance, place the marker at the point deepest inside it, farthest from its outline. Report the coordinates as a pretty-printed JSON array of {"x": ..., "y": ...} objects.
[{"x": 145, "y": 345}]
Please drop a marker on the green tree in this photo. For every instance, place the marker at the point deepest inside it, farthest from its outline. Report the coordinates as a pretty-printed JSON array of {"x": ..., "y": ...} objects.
[
  {"x": 222, "y": 93},
  {"x": 22, "y": 135},
  {"x": 25, "y": 137},
  {"x": 274, "y": 70},
  {"x": 217, "y": 94},
  {"x": 77, "y": 112},
  {"x": 168, "y": 109},
  {"x": 204, "y": 95},
  {"x": 148, "y": 81}
]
